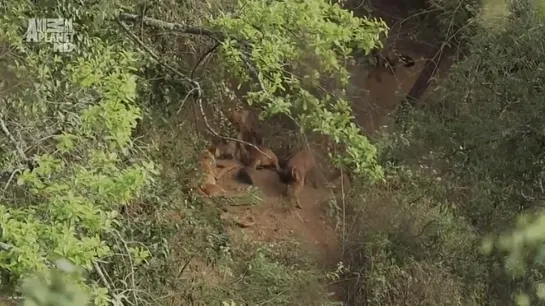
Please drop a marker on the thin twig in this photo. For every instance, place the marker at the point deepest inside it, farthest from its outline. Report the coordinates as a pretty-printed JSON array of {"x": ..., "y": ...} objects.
[
  {"x": 343, "y": 199},
  {"x": 185, "y": 266},
  {"x": 185, "y": 99},
  {"x": 11, "y": 178},
  {"x": 102, "y": 276},
  {"x": 205, "y": 55},
  {"x": 133, "y": 285},
  {"x": 12, "y": 139},
  {"x": 115, "y": 297}
]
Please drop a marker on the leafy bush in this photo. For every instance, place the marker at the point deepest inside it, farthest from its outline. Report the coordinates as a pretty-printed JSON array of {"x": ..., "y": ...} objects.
[
  {"x": 313, "y": 38},
  {"x": 75, "y": 115},
  {"x": 405, "y": 247},
  {"x": 54, "y": 288}
]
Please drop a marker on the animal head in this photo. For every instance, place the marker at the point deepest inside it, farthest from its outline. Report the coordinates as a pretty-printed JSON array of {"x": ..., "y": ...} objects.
[
  {"x": 209, "y": 153},
  {"x": 235, "y": 116},
  {"x": 213, "y": 150}
]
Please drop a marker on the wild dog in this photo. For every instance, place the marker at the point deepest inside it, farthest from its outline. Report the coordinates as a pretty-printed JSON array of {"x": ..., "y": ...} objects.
[
  {"x": 207, "y": 164},
  {"x": 245, "y": 123},
  {"x": 255, "y": 159},
  {"x": 296, "y": 173},
  {"x": 227, "y": 150},
  {"x": 391, "y": 60},
  {"x": 258, "y": 158},
  {"x": 383, "y": 59}
]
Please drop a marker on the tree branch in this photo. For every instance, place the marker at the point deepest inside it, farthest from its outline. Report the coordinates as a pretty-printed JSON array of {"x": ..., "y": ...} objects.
[
  {"x": 102, "y": 277},
  {"x": 217, "y": 36},
  {"x": 195, "y": 84},
  {"x": 203, "y": 57}
]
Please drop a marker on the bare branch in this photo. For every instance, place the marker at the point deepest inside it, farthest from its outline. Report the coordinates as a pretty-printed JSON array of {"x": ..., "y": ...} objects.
[
  {"x": 20, "y": 151},
  {"x": 205, "y": 56},
  {"x": 217, "y": 36},
  {"x": 11, "y": 178},
  {"x": 102, "y": 276},
  {"x": 185, "y": 266}
]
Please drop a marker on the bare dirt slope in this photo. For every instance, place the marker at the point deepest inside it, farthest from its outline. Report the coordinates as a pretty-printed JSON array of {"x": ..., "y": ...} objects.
[{"x": 276, "y": 219}]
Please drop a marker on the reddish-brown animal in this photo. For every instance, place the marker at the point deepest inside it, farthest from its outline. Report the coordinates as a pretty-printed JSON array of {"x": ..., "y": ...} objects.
[
  {"x": 246, "y": 124},
  {"x": 296, "y": 173},
  {"x": 207, "y": 163},
  {"x": 228, "y": 150},
  {"x": 260, "y": 157}
]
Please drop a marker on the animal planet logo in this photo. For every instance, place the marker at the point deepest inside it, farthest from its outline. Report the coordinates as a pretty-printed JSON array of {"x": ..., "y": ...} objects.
[{"x": 58, "y": 31}]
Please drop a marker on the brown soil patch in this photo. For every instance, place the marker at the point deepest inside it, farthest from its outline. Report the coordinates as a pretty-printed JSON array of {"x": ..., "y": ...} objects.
[{"x": 276, "y": 219}]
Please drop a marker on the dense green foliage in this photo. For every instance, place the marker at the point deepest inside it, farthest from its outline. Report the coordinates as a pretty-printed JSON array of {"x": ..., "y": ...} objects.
[
  {"x": 73, "y": 116},
  {"x": 54, "y": 288},
  {"x": 317, "y": 42}
]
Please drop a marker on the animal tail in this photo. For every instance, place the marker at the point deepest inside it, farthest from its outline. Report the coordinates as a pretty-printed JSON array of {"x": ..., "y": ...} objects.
[
  {"x": 407, "y": 60},
  {"x": 244, "y": 175}
]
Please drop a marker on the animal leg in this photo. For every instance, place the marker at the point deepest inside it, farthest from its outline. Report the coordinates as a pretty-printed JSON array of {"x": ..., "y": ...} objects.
[
  {"x": 285, "y": 192},
  {"x": 210, "y": 190},
  {"x": 314, "y": 178},
  {"x": 256, "y": 164},
  {"x": 297, "y": 191},
  {"x": 224, "y": 170}
]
